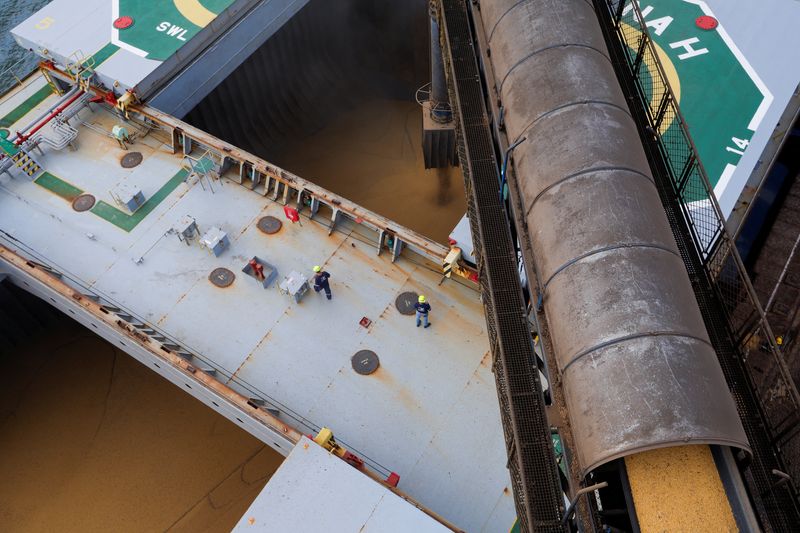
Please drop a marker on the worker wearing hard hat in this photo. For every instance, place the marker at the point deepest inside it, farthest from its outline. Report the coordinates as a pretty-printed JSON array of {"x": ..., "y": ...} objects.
[
  {"x": 422, "y": 308},
  {"x": 321, "y": 281}
]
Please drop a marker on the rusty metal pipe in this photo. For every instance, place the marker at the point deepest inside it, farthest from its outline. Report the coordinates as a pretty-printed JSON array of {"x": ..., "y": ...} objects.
[{"x": 637, "y": 366}]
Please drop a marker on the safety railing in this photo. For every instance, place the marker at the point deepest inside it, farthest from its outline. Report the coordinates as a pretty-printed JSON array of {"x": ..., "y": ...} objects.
[
  {"x": 256, "y": 397},
  {"x": 532, "y": 467},
  {"x": 292, "y": 190},
  {"x": 695, "y": 210},
  {"x": 701, "y": 211},
  {"x": 17, "y": 74},
  {"x": 281, "y": 185}
]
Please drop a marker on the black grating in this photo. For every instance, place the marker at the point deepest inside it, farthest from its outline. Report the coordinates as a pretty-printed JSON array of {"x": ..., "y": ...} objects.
[
  {"x": 531, "y": 460},
  {"x": 732, "y": 315}
]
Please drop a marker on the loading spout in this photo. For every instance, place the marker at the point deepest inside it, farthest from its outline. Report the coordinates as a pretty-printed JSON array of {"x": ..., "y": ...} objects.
[{"x": 638, "y": 369}]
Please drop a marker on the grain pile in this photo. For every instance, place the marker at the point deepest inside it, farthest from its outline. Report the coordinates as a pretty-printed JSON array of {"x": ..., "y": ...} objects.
[{"x": 678, "y": 490}]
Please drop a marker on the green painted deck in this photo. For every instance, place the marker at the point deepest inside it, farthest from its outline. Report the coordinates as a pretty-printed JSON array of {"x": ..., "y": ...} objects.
[
  {"x": 127, "y": 222},
  {"x": 59, "y": 187},
  {"x": 161, "y": 28},
  {"x": 106, "y": 211},
  {"x": 7, "y": 146},
  {"x": 101, "y": 55},
  {"x": 25, "y": 107},
  {"x": 719, "y": 97}
]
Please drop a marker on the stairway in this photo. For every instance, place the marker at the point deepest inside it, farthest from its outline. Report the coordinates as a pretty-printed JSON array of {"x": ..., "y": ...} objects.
[{"x": 25, "y": 162}]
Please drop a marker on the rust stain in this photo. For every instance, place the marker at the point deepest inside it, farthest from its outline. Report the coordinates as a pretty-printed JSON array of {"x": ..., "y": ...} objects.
[
  {"x": 249, "y": 357},
  {"x": 405, "y": 397}
]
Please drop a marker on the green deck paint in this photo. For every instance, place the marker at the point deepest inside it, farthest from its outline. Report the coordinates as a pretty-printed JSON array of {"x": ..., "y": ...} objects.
[
  {"x": 25, "y": 107},
  {"x": 41, "y": 95},
  {"x": 7, "y": 146},
  {"x": 56, "y": 185},
  {"x": 106, "y": 211},
  {"x": 127, "y": 222},
  {"x": 159, "y": 28},
  {"x": 104, "y": 53},
  {"x": 719, "y": 98}
]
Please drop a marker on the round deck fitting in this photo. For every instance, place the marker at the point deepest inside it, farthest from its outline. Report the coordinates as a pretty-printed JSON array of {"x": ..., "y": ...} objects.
[
  {"x": 82, "y": 203},
  {"x": 221, "y": 277},
  {"x": 365, "y": 362},
  {"x": 706, "y": 22},
  {"x": 269, "y": 225},
  {"x": 123, "y": 23},
  {"x": 131, "y": 159},
  {"x": 405, "y": 302}
]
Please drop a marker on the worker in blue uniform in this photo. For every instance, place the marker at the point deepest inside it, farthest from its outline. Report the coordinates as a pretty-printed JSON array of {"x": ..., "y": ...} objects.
[
  {"x": 422, "y": 308},
  {"x": 321, "y": 281}
]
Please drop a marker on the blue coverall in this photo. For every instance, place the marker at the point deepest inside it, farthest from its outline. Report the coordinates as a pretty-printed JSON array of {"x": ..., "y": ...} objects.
[
  {"x": 422, "y": 312},
  {"x": 321, "y": 283}
]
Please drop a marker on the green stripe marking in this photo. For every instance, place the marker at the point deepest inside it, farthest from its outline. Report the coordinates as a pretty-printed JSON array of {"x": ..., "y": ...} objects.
[
  {"x": 101, "y": 55},
  {"x": 25, "y": 107},
  {"x": 56, "y": 185},
  {"x": 127, "y": 222},
  {"x": 41, "y": 95},
  {"x": 106, "y": 211}
]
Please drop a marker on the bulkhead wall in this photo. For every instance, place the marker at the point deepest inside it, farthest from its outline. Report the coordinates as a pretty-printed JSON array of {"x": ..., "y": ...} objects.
[{"x": 638, "y": 369}]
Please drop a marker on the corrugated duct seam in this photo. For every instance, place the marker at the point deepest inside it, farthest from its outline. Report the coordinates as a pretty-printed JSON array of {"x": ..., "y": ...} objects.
[{"x": 638, "y": 369}]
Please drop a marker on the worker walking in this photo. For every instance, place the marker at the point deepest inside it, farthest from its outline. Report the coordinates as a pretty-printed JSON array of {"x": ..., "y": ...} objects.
[
  {"x": 422, "y": 308},
  {"x": 321, "y": 281}
]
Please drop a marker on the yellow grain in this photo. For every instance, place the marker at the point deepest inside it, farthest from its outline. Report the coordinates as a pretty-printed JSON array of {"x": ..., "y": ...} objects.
[{"x": 678, "y": 490}]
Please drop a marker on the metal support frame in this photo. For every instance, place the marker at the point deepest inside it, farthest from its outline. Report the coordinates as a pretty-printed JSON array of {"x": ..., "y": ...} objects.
[
  {"x": 397, "y": 248},
  {"x": 531, "y": 459},
  {"x": 334, "y": 221},
  {"x": 734, "y": 317},
  {"x": 381, "y": 240},
  {"x": 279, "y": 181}
]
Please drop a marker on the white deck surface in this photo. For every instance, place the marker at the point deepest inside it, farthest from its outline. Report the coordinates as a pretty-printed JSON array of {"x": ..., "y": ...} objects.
[
  {"x": 428, "y": 413},
  {"x": 314, "y": 490}
]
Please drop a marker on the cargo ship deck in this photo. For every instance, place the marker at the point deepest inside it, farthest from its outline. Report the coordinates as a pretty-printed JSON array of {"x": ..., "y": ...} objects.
[{"x": 429, "y": 412}]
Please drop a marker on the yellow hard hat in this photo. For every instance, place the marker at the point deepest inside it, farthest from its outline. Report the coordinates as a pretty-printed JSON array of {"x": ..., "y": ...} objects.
[
  {"x": 317, "y": 268},
  {"x": 421, "y": 299}
]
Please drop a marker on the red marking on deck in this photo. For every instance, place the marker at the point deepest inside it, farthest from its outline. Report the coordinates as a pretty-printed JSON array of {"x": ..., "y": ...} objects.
[
  {"x": 123, "y": 22},
  {"x": 706, "y": 23}
]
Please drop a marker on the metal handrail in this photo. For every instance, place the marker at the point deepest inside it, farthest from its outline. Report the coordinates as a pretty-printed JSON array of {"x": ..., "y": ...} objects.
[
  {"x": 20, "y": 79},
  {"x": 721, "y": 246},
  {"x": 107, "y": 301}
]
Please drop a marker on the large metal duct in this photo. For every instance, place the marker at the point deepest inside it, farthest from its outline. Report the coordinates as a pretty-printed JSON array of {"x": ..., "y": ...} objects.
[{"x": 637, "y": 366}]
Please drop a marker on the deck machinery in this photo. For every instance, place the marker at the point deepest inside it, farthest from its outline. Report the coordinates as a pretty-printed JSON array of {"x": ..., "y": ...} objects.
[{"x": 618, "y": 354}]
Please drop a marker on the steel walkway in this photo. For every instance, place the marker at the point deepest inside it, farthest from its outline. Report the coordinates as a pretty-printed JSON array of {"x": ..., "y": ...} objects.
[{"x": 531, "y": 459}]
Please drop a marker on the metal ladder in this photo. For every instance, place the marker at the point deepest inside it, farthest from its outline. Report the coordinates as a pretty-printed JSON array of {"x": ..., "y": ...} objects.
[{"x": 27, "y": 164}]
